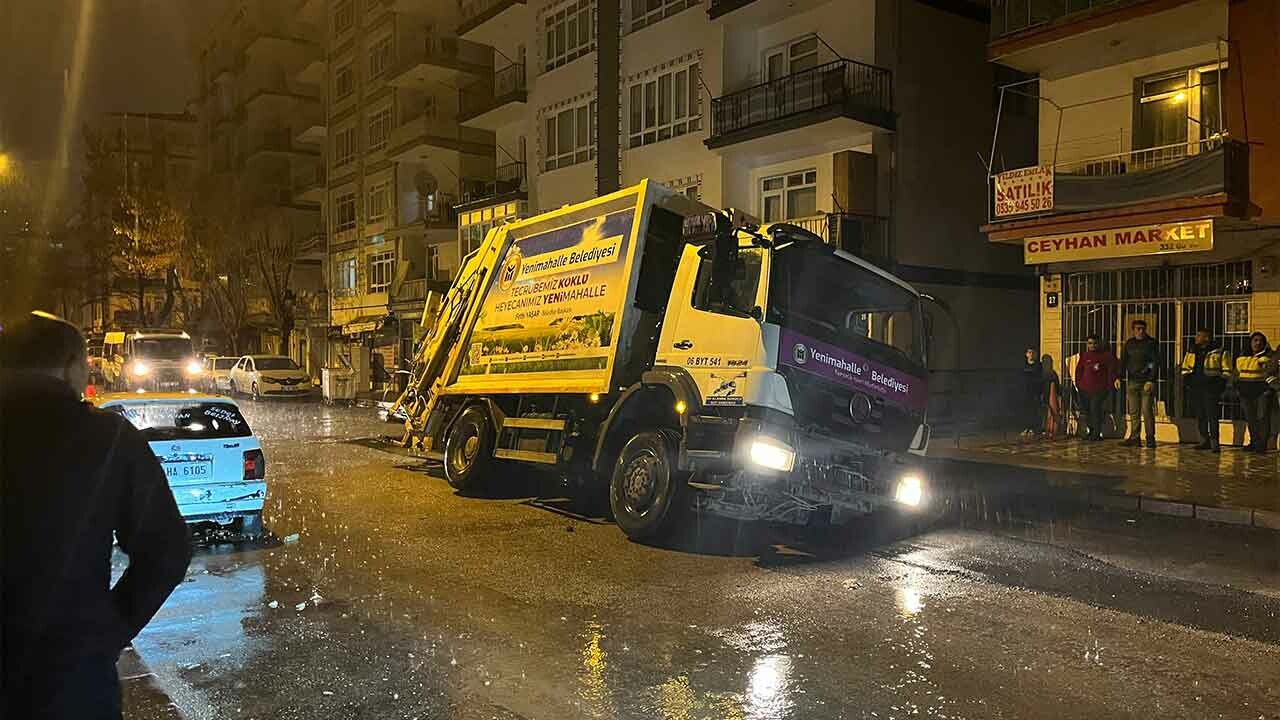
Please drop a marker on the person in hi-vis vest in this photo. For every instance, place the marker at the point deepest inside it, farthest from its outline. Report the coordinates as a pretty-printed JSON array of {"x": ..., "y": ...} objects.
[
  {"x": 1256, "y": 381},
  {"x": 1204, "y": 369}
]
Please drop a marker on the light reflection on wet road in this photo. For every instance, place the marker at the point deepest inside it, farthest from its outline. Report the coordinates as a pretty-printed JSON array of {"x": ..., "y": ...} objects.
[{"x": 400, "y": 600}]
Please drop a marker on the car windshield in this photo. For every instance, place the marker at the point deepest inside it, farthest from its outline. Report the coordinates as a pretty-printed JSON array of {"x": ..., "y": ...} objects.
[
  {"x": 162, "y": 348},
  {"x": 184, "y": 420},
  {"x": 224, "y": 363},
  {"x": 274, "y": 363},
  {"x": 818, "y": 293}
]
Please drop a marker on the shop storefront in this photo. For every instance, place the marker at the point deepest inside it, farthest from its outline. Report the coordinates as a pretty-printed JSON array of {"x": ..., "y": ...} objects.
[{"x": 1178, "y": 277}]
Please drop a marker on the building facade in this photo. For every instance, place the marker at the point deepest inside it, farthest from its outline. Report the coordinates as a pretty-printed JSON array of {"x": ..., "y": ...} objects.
[
  {"x": 259, "y": 152},
  {"x": 830, "y": 114},
  {"x": 1154, "y": 187}
]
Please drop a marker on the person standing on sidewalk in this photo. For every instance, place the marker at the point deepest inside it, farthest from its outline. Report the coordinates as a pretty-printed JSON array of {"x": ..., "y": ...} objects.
[
  {"x": 1095, "y": 375},
  {"x": 1139, "y": 363},
  {"x": 1256, "y": 380},
  {"x": 1032, "y": 389},
  {"x": 1050, "y": 397},
  {"x": 1203, "y": 368}
]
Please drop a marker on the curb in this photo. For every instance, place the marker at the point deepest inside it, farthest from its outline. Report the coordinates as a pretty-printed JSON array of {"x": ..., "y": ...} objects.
[{"x": 1249, "y": 517}]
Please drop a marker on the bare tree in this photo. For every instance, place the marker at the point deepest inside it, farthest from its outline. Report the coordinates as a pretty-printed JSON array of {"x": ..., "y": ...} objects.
[
  {"x": 221, "y": 259},
  {"x": 149, "y": 233},
  {"x": 275, "y": 255}
]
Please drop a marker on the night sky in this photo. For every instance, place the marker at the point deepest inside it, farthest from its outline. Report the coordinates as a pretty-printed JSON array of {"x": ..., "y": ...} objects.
[{"x": 141, "y": 58}]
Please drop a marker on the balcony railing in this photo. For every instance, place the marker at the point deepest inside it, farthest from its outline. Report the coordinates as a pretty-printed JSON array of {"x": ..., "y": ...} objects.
[
  {"x": 309, "y": 177},
  {"x": 278, "y": 140},
  {"x": 863, "y": 92},
  {"x": 1215, "y": 165},
  {"x": 508, "y": 178},
  {"x": 723, "y": 7},
  {"x": 450, "y": 51},
  {"x": 866, "y": 236},
  {"x": 507, "y": 85},
  {"x": 1011, "y": 16},
  {"x": 474, "y": 12}
]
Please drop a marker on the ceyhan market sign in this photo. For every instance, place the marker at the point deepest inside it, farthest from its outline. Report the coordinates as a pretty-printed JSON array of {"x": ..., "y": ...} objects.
[{"x": 1192, "y": 236}]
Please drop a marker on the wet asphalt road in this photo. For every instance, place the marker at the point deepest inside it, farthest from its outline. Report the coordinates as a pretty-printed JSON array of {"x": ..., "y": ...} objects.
[{"x": 399, "y": 599}]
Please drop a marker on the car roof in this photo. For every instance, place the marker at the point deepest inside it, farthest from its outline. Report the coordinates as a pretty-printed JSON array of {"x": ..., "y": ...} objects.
[{"x": 126, "y": 398}]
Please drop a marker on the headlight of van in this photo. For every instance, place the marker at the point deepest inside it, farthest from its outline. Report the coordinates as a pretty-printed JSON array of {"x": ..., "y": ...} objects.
[{"x": 910, "y": 490}]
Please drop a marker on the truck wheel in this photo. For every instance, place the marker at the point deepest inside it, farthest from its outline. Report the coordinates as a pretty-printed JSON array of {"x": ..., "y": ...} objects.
[
  {"x": 467, "y": 449},
  {"x": 646, "y": 493}
]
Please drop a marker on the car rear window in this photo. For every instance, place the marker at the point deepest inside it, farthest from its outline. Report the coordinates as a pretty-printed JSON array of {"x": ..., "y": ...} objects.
[{"x": 185, "y": 420}]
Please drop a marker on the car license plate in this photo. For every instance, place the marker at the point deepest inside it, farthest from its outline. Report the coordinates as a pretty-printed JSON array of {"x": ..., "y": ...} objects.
[{"x": 188, "y": 470}]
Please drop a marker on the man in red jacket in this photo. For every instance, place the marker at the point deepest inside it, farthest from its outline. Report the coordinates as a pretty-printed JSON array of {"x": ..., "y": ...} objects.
[{"x": 1096, "y": 372}]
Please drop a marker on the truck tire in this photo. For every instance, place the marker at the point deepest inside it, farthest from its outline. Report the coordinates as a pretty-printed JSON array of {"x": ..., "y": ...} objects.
[
  {"x": 468, "y": 449},
  {"x": 647, "y": 493}
]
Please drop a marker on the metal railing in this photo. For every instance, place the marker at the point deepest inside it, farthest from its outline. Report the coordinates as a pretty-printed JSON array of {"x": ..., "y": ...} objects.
[
  {"x": 507, "y": 84},
  {"x": 1011, "y": 16},
  {"x": 455, "y": 52},
  {"x": 866, "y": 236},
  {"x": 507, "y": 179},
  {"x": 1139, "y": 159},
  {"x": 723, "y": 7},
  {"x": 859, "y": 89}
]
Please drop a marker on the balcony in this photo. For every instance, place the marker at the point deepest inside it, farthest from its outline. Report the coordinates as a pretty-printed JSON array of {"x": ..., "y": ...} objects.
[
  {"x": 433, "y": 210},
  {"x": 489, "y": 21},
  {"x": 1208, "y": 178},
  {"x": 278, "y": 140},
  {"x": 508, "y": 184},
  {"x": 424, "y": 135},
  {"x": 756, "y": 12},
  {"x": 501, "y": 101},
  {"x": 444, "y": 61},
  {"x": 807, "y": 112},
  {"x": 309, "y": 183},
  {"x": 1056, "y": 38},
  {"x": 866, "y": 236}
]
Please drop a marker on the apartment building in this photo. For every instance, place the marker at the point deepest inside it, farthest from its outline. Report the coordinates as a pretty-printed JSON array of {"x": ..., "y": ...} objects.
[
  {"x": 258, "y": 124},
  {"x": 157, "y": 151},
  {"x": 863, "y": 120},
  {"x": 397, "y": 163},
  {"x": 1155, "y": 187}
]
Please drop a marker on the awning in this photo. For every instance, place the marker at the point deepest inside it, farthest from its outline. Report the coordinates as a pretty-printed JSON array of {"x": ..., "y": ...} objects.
[{"x": 364, "y": 324}]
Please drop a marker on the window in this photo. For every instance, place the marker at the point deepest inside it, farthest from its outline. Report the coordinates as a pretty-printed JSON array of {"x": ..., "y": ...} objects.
[
  {"x": 790, "y": 196},
  {"x": 379, "y": 128},
  {"x": 738, "y": 297},
  {"x": 381, "y": 268},
  {"x": 571, "y": 136},
  {"x": 648, "y": 12},
  {"x": 1176, "y": 113},
  {"x": 793, "y": 57},
  {"x": 344, "y": 276},
  {"x": 343, "y": 82},
  {"x": 184, "y": 420},
  {"x": 344, "y": 146},
  {"x": 380, "y": 57},
  {"x": 571, "y": 32},
  {"x": 664, "y": 107},
  {"x": 344, "y": 16},
  {"x": 345, "y": 212},
  {"x": 433, "y": 262},
  {"x": 378, "y": 195}
]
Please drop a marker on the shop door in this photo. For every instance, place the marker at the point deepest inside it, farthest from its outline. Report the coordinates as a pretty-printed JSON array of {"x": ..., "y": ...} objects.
[{"x": 1174, "y": 302}]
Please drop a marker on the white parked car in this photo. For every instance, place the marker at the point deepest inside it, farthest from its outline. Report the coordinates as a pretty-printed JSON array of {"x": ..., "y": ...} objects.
[
  {"x": 262, "y": 376},
  {"x": 217, "y": 373},
  {"x": 214, "y": 463}
]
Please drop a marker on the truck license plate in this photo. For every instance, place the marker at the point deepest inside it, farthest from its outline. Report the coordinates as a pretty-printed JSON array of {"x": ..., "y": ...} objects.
[{"x": 188, "y": 470}]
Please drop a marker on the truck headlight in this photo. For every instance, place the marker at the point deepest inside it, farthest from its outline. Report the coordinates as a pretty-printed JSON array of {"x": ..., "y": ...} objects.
[
  {"x": 139, "y": 369},
  {"x": 910, "y": 490},
  {"x": 194, "y": 367},
  {"x": 772, "y": 454}
]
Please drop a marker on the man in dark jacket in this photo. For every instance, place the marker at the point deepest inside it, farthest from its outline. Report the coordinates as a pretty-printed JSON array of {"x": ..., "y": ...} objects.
[
  {"x": 72, "y": 476},
  {"x": 1204, "y": 367},
  {"x": 1139, "y": 366}
]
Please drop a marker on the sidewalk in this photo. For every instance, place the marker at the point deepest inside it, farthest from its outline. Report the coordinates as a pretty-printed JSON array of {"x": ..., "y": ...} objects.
[{"x": 1172, "y": 478}]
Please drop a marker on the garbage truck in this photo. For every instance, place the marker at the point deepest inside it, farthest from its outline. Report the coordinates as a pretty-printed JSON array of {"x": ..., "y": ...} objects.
[{"x": 682, "y": 359}]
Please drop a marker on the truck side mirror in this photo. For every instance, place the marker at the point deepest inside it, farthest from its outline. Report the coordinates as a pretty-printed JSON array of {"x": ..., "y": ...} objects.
[{"x": 757, "y": 314}]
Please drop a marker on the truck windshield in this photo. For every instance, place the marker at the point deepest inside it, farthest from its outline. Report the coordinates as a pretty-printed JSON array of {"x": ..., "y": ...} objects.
[
  {"x": 815, "y": 292},
  {"x": 162, "y": 348}
]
